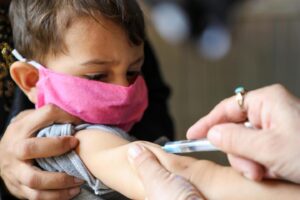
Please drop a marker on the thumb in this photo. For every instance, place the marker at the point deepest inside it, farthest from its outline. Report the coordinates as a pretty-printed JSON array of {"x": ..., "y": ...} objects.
[
  {"x": 158, "y": 182},
  {"x": 241, "y": 141},
  {"x": 142, "y": 160},
  {"x": 248, "y": 168}
]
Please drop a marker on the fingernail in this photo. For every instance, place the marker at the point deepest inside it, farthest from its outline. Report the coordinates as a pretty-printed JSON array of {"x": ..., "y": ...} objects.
[
  {"x": 189, "y": 132},
  {"x": 78, "y": 181},
  {"x": 134, "y": 151},
  {"x": 214, "y": 136},
  {"x": 13, "y": 119},
  {"x": 248, "y": 175},
  {"x": 195, "y": 197},
  {"x": 74, "y": 191}
]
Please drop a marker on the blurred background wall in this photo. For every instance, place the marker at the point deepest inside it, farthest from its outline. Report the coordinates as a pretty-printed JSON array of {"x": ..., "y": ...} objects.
[{"x": 265, "y": 49}]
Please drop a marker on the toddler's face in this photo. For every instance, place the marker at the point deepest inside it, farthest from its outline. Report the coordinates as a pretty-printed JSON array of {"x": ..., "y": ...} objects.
[{"x": 99, "y": 52}]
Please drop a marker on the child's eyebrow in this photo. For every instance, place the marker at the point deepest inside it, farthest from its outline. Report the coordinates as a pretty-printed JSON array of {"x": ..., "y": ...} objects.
[
  {"x": 140, "y": 59},
  {"x": 105, "y": 62},
  {"x": 97, "y": 62}
]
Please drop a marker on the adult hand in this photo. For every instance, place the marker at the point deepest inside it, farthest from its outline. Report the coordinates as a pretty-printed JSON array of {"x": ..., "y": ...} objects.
[
  {"x": 18, "y": 148},
  {"x": 273, "y": 144},
  {"x": 158, "y": 182}
]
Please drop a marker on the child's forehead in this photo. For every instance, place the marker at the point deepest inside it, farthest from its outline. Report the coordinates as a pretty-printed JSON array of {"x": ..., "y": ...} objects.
[
  {"x": 95, "y": 34},
  {"x": 93, "y": 22},
  {"x": 88, "y": 39}
]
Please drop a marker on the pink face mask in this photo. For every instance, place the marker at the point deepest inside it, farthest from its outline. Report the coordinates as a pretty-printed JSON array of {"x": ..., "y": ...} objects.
[{"x": 92, "y": 101}]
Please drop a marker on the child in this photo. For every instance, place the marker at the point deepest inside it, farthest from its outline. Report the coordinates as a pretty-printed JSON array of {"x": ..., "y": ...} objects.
[
  {"x": 93, "y": 51},
  {"x": 85, "y": 57}
]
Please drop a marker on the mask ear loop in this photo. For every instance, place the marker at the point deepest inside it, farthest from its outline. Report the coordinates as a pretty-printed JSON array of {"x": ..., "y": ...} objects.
[{"x": 19, "y": 57}]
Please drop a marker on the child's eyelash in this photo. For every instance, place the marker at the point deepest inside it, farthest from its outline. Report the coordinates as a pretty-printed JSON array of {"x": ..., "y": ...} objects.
[
  {"x": 133, "y": 73},
  {"x": 95, "y": 76},
  {"x": 102, "y": 76}
]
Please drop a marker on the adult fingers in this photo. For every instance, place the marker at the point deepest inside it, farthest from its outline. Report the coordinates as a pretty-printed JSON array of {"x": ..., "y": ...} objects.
[
  {"x": 13, "y": 189},
  {"x": 158, "y": 182},
  {"x": 25, "y": 192},
  {"x": 22, "y": 114},
  {"x": 64, "y": 194},
  {"x": 43, "y": 180},
  {"x": 42, "y": 117},
  {"x": 227, "y": 110},
  {"x": 241, "y": 141},
  {"x": 248, "y": 168},
  {"x": 32, "y": 148}
]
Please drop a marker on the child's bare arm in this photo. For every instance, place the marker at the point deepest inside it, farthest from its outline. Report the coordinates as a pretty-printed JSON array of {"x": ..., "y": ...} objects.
[{"x": 105, "y": 155}]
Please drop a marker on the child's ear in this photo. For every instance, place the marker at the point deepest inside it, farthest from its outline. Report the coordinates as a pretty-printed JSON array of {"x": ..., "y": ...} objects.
[{"x": 26, "y": 77}]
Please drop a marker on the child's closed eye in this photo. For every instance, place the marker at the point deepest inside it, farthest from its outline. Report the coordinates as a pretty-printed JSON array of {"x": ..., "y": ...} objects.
[
  {"x": 131, "y": 74},
  {"x": 96, "y": 76}
]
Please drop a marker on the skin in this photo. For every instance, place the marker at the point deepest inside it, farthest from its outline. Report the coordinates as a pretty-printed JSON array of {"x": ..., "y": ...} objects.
[
  {"x": 159, "y": 183},
  {"x": 109, "y": 54},
  {"x": 275, "y": 114},
  {"x": 106, "y": 56},
  {"x": 22, "y": 179},
  {"x": 214, "y": 181}
]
